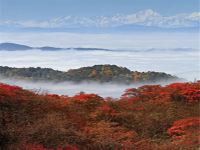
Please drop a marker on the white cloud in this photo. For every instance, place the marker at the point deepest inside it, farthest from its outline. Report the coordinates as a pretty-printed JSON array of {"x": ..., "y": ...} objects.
[
  {"x": 163, "y": 59},
  {"x": 152, "y": 18},
  {"x": 145, "y": 17},
  {"x": 181, "y": 63}
]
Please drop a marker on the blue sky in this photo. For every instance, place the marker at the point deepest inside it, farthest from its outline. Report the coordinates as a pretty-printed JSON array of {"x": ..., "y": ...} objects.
[
  {"x": 61, "y": 23},
  {"x": 45, "y": 9},
  {"x": 65, "y": 14}
]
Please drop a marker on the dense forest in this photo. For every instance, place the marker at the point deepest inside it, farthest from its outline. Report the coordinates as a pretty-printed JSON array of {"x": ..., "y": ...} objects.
[
  {"x": 151, "y": 117},
  {"x": 98, "y": 73}
]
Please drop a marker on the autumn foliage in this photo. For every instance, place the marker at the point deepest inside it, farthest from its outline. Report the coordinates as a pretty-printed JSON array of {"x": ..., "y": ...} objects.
[
  {"x": 187, "y": 92},
  {"x": 186, "y": 131},
  {"x": 151, "y": 117}
]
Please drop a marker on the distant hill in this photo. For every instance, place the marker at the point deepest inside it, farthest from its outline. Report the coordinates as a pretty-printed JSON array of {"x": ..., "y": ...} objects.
[
  {"x": 20, "y": 47},
  {"x": 13, "y": 47},
  {"x": 97, "y": 73},
  {"x": 48, "y": 48},
  {"x": 17, "y": 47}
]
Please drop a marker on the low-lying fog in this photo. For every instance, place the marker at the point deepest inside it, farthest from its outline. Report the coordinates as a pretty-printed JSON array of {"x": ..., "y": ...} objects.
[
  {"x": 70, "y": 89},
  {"x": 184, "y": 64},
  {"x": 173, "y": 53}
]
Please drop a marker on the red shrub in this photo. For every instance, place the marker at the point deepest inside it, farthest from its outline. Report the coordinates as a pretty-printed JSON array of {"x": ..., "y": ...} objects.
[
  {"x": 40, "y": 147},
  {"x": 183, "y": 126},
  {"x": 190, "y": 92},
  {"x": 70, "y": 147},
  {"x": 86, "y": 97},
  {"x": 33, "y": 147},
  {"x": 7, "y": 90},
  {"x": 186, "y": 131},
  {"x": 14, "y": 93}
]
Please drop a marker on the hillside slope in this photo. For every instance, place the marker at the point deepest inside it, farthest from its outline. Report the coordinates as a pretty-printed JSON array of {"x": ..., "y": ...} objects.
[
  {"x": 98, "y": 73},
  {"x": 150, "y": 117}
]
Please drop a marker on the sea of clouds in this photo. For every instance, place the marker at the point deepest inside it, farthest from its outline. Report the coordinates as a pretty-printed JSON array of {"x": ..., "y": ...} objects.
[
  {"x": 174, "y": 53},
  {"x": 69, "y": 88}
]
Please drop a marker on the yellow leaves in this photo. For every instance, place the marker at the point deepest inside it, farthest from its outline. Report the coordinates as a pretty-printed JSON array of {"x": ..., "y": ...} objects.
[
  {"x": 93, "y": 74},
  {"x": 136, "y": 76},
  {"x": 107, "y": 71}
]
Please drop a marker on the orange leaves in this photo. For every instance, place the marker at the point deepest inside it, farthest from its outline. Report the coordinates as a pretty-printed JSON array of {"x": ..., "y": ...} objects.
[
  {"x": 188, "y": 92},
  {"x": 86, "y": 97},
  {"x": 107, "y": 133},
  {"x": 7, "y": 90},
  {"x": 105, "y": 109},
  {"x": 9, "y": 87},
  {"x": 191, "y": 95},
  {"x": 59, "y": 101},
  {"x": 87, "y": 121},
  {"x": 183, "y": 126},
  {"x": 33, "y": 147},
  {"x": 13, "y": 93},
  {"x": 130, "y": 93},
  {"x": 186, "y": 131},
  {"x": 40, "y": 147},
  {"x": 70, "y": 147}
]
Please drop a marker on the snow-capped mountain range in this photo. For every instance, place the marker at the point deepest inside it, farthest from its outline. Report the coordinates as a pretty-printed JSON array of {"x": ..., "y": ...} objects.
[{"x": 147, "y": 18}]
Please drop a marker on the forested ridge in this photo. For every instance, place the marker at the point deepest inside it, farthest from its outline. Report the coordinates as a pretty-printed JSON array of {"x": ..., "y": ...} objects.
[
  {"x": 151, "y": 117},
  {"x": 98, "y": 73}
]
